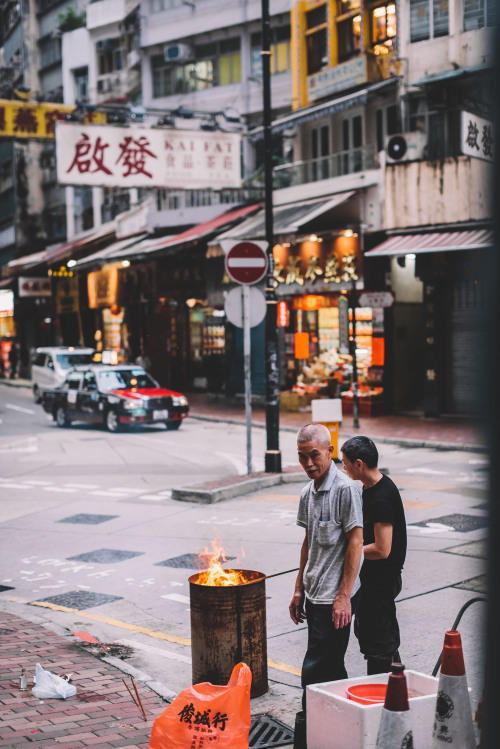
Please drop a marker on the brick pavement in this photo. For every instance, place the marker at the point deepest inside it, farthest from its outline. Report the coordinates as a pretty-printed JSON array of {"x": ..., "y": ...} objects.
[
  {"x": 100, "y": 715},
  {"x": 450, "y": 432}
]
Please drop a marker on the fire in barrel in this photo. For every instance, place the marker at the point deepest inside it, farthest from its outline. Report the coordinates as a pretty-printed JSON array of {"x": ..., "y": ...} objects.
[{"x": 228, "y": 623}]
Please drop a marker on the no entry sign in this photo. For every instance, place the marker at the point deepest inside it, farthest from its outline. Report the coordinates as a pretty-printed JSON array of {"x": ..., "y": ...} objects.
[{"x": 246, "y": 262}]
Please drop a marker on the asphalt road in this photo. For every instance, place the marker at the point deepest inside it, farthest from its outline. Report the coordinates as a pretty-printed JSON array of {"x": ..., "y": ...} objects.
[{"x": 87, "y": 521}]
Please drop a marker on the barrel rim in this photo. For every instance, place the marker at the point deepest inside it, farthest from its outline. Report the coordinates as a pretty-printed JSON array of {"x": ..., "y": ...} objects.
[{"x": 256, "y": 575}]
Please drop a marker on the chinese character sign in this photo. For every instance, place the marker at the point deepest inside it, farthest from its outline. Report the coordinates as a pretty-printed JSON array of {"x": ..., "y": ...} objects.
[
  {"x": 32, "y": 120},
  {"x": 146, "y": 157},
  {"x": 477, "y": 137}
]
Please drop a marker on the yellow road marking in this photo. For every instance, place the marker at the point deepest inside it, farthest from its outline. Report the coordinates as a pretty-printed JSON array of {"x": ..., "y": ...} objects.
[
  {"x": 283, "y": 667},
  {"x": 146, "y": 631},
  {"x": 115, "y": 623}
]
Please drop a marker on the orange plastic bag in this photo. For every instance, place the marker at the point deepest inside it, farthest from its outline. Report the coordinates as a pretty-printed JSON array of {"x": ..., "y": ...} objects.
[{"x": 207, "y": 716}]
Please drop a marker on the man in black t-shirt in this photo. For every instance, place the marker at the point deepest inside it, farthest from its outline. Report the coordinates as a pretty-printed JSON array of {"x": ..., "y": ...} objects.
[{"x": 384, "y": 548}]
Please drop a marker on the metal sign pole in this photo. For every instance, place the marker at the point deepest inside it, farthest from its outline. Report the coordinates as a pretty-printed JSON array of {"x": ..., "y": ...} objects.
[
  {"x": 245, "y": 293},
  {"x": 273, "y": 454}
]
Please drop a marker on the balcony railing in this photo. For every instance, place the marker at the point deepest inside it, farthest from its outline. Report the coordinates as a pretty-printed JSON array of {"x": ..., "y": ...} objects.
[
  {"x": 326, "y": 167},
  {"x": 171, "y": 200}
]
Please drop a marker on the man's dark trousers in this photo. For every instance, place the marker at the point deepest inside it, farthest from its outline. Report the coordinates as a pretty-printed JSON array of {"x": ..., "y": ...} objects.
[{"x": 326, "y": 646}]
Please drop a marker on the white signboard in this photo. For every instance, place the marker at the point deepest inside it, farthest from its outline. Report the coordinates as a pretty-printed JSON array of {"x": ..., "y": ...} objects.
[
  {"x": 6, "y": 303},
  {"x": 34, "y": 286},
  {"x": 146, "y": 157},
  {"x": 477, "y": 137},
  {"x": 376, "y": 299},
  {"x": 339, "y": 78}
]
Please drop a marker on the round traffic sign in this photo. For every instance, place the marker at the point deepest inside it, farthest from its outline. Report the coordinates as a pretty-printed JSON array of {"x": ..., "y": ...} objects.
[
  {"x": 234, "y": 307},
  {"x": 246, "y": 262}
]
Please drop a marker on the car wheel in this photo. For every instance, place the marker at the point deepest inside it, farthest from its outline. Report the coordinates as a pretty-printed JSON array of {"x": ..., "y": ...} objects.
[
  {"x": 171, "y": 425},
  {"x": 36, "y": 394},
  {"x": 111, "y": 421},
  {"x": 61, "y": 417}
]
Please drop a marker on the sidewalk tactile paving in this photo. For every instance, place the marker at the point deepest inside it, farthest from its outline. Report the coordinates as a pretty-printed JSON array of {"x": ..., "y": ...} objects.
[
  {"x": 106, "y": 556},
  {"x": 84, "y": 519},
  {"x": 81, "y": 599},
  {"x": 29, "y": 723}
]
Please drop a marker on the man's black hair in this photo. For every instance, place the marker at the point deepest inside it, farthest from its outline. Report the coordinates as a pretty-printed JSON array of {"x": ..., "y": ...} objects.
[{"x": 361, "y": 448}]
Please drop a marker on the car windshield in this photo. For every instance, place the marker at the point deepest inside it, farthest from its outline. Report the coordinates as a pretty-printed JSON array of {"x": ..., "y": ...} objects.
[
  {"x": 137, "y": 378},
  {"x": 66, "y": 361},
  {"x": 110, "y": 380}
]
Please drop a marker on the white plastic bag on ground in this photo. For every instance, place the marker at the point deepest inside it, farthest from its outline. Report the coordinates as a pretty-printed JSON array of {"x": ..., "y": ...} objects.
[{"x": 49, "y": 685}]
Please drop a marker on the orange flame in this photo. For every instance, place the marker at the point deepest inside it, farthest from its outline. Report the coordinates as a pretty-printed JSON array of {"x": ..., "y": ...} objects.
[{"x": 215, "y": 575}]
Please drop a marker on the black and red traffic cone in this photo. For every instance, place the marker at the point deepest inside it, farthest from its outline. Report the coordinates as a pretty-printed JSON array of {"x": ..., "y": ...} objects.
[
  {"x": 395, "y": 729},
  {"x": 453, "y": 718}
]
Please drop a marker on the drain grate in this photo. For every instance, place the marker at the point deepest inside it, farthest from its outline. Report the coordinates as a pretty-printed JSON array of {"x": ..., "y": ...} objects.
[
  {"x": 268, "y": 732},
  {"x": 458, "y": 522},
  {"x": 190, "y": 561},
  {"x": 106, "y": 556},
  {"x": 85, "y": 519},
  {"x": 81, "y": 599}
]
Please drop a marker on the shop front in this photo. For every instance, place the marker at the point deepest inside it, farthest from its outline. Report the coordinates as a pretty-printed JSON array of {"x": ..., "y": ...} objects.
[{"x": 318, "y": 281}]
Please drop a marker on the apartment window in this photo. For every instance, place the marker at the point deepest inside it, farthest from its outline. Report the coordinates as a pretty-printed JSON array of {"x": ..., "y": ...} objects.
[
  {"x": 81, "y": 83},
  {"x": 478, "y": 14},
  {"x": 388, "y": 122},
  {"x": 349, "y": 32},
  {"x": 428, "y": 19},
  {"x": 280, "y": 52},
  {"x": 156, "y": 6},
  {"x": 50, "y": 52},
  {"x": 316, "y": 39},
  {"x": 229, "y": 62},
  {"x": 214, "y": 64},
  {"x": 383, "y": 24},
  {"x": 109, "y": 56}
]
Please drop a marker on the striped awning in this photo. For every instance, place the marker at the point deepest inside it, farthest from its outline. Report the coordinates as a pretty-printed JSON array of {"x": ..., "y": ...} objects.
[{"x": 451, "y": 241}]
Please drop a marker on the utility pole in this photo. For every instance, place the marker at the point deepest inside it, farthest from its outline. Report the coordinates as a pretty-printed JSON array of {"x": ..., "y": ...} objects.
[
  {"x": 273, "y": 454},
  {"x": 355, "y": 389}
]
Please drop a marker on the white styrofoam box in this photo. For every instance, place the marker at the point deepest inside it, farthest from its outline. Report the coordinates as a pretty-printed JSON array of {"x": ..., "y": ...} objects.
[
  {"x": 335, "y": 720},
  {"x": 326, "y": 409}
]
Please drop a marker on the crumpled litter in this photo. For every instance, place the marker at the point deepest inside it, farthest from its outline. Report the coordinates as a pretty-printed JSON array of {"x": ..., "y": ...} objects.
[{"x": 51, "y": 686}]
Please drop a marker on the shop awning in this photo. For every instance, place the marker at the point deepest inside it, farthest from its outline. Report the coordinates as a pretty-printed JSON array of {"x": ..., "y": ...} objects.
[
  {"x": 21, "y": 262},
  {"x": 447, "y": 75},
  {"x": 452, "y": 241},
  {"x": 332, "y": 106},
  {"x": 109, "y": 253},
  {"x": 288, "y": 219}
]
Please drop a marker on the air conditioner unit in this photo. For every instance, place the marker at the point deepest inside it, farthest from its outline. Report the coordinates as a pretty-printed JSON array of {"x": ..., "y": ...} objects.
[
  {"x": 177, "y": 52},
  {"x": 405, "y": 147}
]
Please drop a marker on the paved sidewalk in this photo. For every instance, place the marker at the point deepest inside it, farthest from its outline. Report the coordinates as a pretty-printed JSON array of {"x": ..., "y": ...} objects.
[
  {"x": 101, "y": 714},
  {"x": 413, "y": 431}
]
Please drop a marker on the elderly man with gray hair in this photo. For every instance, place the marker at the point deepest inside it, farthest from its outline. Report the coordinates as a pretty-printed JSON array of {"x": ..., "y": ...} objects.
[{"x": 327, "y": 585}]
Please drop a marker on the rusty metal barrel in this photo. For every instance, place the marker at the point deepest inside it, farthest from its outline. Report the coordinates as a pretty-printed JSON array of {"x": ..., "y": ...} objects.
[{"x": 228, "y": 625}]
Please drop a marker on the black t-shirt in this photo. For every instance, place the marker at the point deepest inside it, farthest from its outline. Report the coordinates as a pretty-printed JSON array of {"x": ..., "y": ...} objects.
[{"x": 382, "y": 504}]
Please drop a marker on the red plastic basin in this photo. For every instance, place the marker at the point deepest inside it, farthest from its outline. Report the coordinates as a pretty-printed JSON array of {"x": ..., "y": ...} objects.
[{"x": 367, "y": 694}]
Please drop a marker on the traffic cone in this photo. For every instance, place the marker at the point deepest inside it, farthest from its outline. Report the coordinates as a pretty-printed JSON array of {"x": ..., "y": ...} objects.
[
  {"x": 394, "y": 731},
  {"x": 453, "y": 718}
]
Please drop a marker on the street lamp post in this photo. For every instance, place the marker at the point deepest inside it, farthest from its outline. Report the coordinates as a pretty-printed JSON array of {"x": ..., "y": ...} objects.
[{"x": 273, "y": 454}]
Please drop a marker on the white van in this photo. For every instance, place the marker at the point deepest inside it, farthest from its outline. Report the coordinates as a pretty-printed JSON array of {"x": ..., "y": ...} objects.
[{"x": 50, "y": 365}]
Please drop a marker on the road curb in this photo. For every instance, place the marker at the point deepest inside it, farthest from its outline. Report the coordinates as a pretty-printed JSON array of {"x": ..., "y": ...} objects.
[
  {"x": 203, "y": 495},
  {"x": 399, "y": 441}
]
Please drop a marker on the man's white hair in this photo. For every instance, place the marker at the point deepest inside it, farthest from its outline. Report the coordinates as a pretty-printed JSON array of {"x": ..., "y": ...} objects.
[{"x": 314, "y": 433}]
